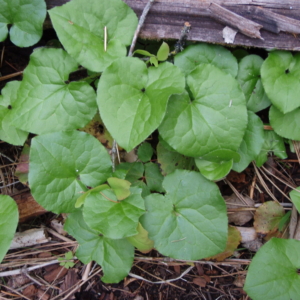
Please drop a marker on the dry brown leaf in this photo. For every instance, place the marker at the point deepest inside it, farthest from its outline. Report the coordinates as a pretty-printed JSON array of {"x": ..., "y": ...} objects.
[
  {"x": 240, "y": 217},
  {"x": 200, "y": 281},
  {"x": 177, "y": 269},
  {"x": 267, "y": 218},
  {"x": 30, "y": 291},
  {"x": 239, "y": 281},
  {"x": 200, "y": 270},
  {"x": 55, "y": 274}
]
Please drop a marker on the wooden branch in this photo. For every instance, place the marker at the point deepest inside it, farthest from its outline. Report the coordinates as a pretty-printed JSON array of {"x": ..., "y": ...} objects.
[
  {"x": 276, "y": 20},
  {"x": 227, "y": 17}
]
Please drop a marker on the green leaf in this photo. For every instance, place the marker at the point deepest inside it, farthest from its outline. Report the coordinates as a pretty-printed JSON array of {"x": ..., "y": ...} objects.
[
  {"x": 154, "y": 178},
  {"x": 8, "y": 102},
  {"x": 134, "y": 171},
  {"x": 114, "y": 256},
  {"x": 273, "y": 272},
  {"x": 295, "y": 197},
  {"x": 145, "y": 152},
  {"x": 143, "y": 52},
  {"x": 213, "y": 170},
  {"x": 286, "y": 125},
  {"x": 153, "y": 60},
  {"x": 252, "y": 143},
  {"x": 133, "y": 99},
  {"x": 80, "y": 28},
  {"x": 195, "y": 55},
  {"x": 104, "y": 213},
  {"x": 190, "y": 221},
  {"x": 214, "y": 119},
  {"x": 62, "y": 164},
  {"x": 273, "y": 143},
  {"x": 80, "y": 201},
  {"x": 141, "y": 240},
  {"x": 9, "y": 218},
  {"x": 163, "y": 52},
  {"x": 120, "y": 187},
  {"x": 250, "y": 81},
  {"x": 171, "y": 160},
  {"x": 45, "y": 102},
  {"x": 280, "y": 75},
  {"x": 26, "y": 18}
]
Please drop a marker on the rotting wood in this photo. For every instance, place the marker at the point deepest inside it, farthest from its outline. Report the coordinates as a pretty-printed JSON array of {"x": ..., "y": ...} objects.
[
  {"x": 28, "y": 207},
  {"x": 29, "y": 238},
  {"x": 279, "y": 20}
]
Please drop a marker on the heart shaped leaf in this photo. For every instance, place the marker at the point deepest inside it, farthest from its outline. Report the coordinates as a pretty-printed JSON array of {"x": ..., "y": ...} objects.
[
  {"x": 214, "y": 119},
  {"x": 280, "y": 75},
  {"x": 286, "y": 125},
  {"x": 115, "y": 219},
  {"x": 65, "y": 163},
  {"x": 192, "y": 215},
  {"x": 26, "y": 18},
  {"x": 252, "y": 142},
  {"x": 195, "y": 55},
  {"x": 214, "y": 170},
  {"x": 133, "y": 99},
  {"x": 45, "y": 102},
  {"x": 8, "y": 132},
  {"x": 114, "y": 256},
  {"x": 278, "y": 262},
  {"x": 250, "y": 81},
  {"x": 9, "y": 218},
  {"x": 81, "y": 30}
]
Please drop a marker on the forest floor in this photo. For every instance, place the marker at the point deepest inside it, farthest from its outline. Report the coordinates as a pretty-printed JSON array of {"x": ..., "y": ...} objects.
[{"x": 152, "y": 276}]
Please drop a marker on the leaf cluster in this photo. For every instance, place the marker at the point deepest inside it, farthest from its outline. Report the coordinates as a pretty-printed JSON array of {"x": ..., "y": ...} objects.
[{"x": 204, "y": 107}]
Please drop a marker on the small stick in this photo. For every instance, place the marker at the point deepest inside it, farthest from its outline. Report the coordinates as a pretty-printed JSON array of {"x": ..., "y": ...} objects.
[
  {"x": 183, "y": 37},
  {"x": 87, "y": 270},
  {"x": 140, "y": 24},
  {"x": 11, "y": 76},
  {"x": 2, "y": 56},
  {"x": 105, "y": 38}
]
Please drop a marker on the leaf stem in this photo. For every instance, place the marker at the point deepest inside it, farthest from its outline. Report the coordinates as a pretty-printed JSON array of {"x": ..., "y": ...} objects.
[
  {"x": 108, "y": 198},
  {"x": 140, "y": 24}
]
